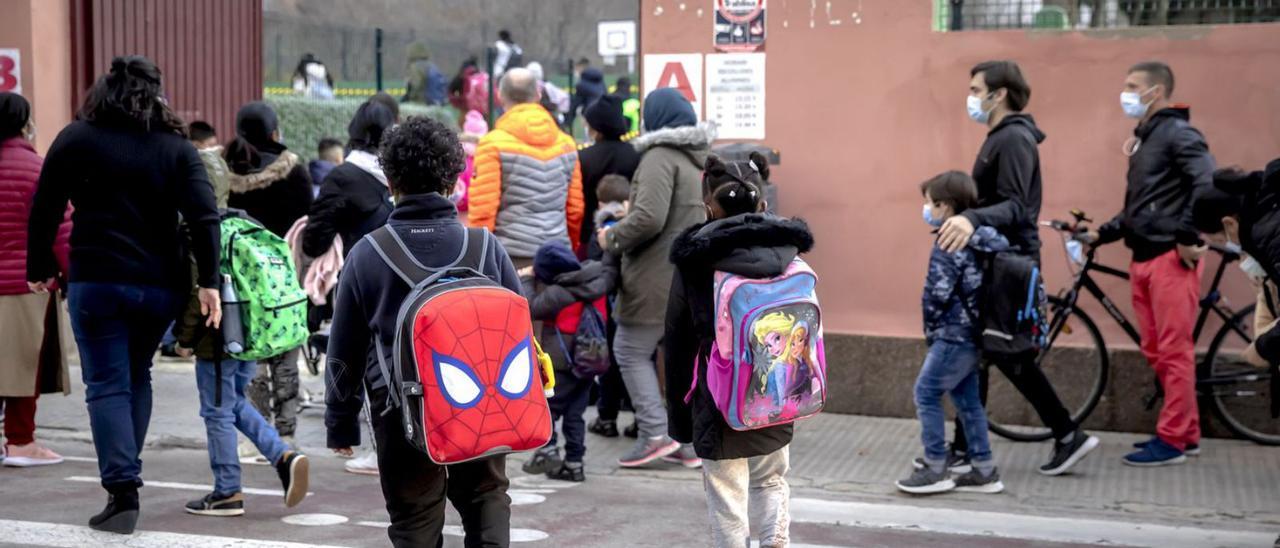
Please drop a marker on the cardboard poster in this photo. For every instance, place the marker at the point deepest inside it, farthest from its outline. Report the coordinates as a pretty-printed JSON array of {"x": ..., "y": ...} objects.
[
  {"x": 682, "y": 71},
  {"x": 739, "y": 25},
  {"x": 735, "y": 94}
]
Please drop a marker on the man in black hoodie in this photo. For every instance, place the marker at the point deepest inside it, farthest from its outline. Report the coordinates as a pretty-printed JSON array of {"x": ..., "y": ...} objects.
[
  {"x": 1009, "y": 191},
  {"x": 1169, "y": 168}
]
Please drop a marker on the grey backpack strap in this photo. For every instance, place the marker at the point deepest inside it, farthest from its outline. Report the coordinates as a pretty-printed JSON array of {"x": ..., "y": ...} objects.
[
  {"x": 393, "y": 394},
  {"x": 396, "y": 255},
  {"x": 477, "y": 252}
]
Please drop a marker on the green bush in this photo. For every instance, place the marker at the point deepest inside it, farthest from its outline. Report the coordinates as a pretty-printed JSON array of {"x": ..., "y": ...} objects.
[{"x": 303, "y": 122}]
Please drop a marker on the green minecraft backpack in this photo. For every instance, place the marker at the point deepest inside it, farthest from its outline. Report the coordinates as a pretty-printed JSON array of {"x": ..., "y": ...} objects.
[{"x": 266, "y": 297}]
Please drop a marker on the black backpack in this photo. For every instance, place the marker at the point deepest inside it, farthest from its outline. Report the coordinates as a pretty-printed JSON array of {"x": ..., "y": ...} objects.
[{"x": 1013, "y": 305}]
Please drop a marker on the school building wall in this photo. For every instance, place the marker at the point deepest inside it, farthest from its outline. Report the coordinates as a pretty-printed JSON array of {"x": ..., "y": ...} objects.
[{"x": 865, "y": 100}]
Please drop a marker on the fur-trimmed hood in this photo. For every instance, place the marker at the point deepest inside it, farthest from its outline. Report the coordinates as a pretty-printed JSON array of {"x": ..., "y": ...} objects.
[
  {"x": 754, "y": 245},
  {"x": 684, "y": 138},
  {"x": 277, "y": 170}
]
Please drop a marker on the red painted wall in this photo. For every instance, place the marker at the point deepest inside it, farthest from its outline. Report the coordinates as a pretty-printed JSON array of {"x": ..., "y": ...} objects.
[{"x": 862, "y": 112}]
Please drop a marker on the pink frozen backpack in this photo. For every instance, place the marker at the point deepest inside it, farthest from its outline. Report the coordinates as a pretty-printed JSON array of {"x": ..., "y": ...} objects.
[{"x": 766, "y": 366}]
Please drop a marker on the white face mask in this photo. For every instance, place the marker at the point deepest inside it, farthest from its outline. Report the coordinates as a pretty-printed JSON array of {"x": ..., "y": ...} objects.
[
  {"x": 1131, "y": 103},
  {"x": 974, "y": 105}
]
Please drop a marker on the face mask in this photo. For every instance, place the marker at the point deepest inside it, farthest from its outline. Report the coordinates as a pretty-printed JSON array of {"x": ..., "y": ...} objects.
[
  {"x": 1131, "y": 103},
  {"x": 1234, "y": 247},
  {"x": 928, "y": 218},
  {"x": 976, "y": 113}
]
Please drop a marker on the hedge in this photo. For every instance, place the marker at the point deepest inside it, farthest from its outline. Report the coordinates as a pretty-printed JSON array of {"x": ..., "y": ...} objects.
[{"x": 303, "y": 122}]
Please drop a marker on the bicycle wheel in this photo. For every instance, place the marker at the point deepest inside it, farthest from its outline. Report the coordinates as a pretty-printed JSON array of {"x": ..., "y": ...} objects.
[
  {"x": 1241, "y": 393},
  {"x": 1077, "y": 366}
]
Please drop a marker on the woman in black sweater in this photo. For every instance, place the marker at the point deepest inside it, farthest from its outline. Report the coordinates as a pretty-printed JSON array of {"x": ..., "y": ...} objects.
[{"x": 127, "y": 168}]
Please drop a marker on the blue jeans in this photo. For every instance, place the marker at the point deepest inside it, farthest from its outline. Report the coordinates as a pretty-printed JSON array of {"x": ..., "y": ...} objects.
[
  {"x": 951, "y": 368},
  {"x": 235, "y": 413},
  {"x": 117, "y": 328}
]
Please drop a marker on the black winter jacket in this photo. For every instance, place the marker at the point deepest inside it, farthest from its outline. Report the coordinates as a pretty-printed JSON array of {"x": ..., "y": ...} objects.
[
  {"x": 351, "y": 203},
  {"x": 757, "y": 246},
  {"x": 274, "y": 187},
  {"x": 1007, "y": 171},
  {"x": 1260, "y": 237},
  {"x": 369, "y": 296},
  {"x": 1170, "y": 170},
  {"x": 546, "y": 301},
  {"x": 603, "y": 158}
]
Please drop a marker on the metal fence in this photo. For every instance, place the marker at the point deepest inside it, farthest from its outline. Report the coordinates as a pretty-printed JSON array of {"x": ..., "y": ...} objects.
[{"x": 953, "y": 15}]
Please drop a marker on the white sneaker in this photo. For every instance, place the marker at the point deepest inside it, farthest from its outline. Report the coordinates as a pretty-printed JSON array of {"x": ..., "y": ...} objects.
[
  {"x": 366, "y": 465},
  {"x": 31, "y": 454}
]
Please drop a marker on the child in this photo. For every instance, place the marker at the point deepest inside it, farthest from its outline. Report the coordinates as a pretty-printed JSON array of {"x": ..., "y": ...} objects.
[
  {"x": 951, "y": 329},
  {"x": 421, "y": 158},
  {"x": 473, "y": 128},
  {"x": 328, "y": 156},
  {"x": 225, "y": 410},
  {"x": 614, "y": 195},
  {"x": 205, "y": 139},
  {"x": 740, "y": 469},
  {"x": 558, "y": 288}
]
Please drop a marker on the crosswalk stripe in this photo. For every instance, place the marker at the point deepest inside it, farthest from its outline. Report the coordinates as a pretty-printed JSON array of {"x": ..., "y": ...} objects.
[
  {"x": 517, "y": 534},
  {"x": 61, "y": 535},
  {"x": 190, "y": 486},
  {"x": 1018, "y": 526},
  {"x": 80, "y": 459}
]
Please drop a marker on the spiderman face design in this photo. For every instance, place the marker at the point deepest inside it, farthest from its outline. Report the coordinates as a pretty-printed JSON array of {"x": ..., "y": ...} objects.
[{"x": 482, "y": 393}]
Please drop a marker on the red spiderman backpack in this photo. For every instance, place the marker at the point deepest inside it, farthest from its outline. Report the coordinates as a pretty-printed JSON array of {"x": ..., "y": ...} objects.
[{"x": 463, "y": 369}]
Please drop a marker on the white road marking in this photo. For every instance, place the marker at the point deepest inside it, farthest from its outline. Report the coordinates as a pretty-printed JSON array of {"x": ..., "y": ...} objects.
[
  {"x": 190, "y": 486},
  {"x": 313, "y": 520},
  {"x": 80, "y": 459},
  {"x": 1019, "y": 526},
  {"x": 521, "y": 497},
  {"x": 517, "y": 534},
  {"x": 539, "y": 482},
  {"x": 59, "y": 535}
]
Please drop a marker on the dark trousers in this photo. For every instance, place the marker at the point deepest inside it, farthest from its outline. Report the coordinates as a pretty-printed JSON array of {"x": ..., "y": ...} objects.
[
  {"x": 567, "y": 406},
  {"x": 415, "y": 490},
  {"x": 19, "y": 419},
  {"x": 1030, "y": 381},
  {"x": 612, "y": 391},
  {"x": 118, "y": 328}
]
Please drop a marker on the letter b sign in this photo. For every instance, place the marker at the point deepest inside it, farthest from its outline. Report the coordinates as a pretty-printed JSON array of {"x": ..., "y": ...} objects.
[{"x": 10, "y": 70}]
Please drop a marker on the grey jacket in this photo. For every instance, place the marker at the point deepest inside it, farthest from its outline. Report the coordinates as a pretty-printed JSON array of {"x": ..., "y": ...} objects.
[{"x": 666, "y": 198}]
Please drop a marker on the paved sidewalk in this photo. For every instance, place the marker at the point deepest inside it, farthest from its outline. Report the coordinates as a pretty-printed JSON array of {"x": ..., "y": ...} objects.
[{"x": 1233, "y": 485}]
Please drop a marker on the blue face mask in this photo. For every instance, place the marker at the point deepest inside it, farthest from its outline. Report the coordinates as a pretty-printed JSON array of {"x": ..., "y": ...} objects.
[{"x": 928, "y": 218}]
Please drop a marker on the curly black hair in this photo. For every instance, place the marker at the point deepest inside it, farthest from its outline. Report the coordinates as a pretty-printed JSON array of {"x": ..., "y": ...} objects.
[{"x": 422, "y": 156}]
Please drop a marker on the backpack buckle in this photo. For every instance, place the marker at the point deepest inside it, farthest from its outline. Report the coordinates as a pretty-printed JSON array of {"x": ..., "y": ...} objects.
[{"x": 411, "y": 388}]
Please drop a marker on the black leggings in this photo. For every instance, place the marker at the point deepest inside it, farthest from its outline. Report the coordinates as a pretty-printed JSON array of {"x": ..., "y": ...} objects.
[{"x": 1027, "y": 377}]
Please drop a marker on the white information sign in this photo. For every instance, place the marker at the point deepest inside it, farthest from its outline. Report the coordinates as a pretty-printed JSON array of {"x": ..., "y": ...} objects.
[
  {"x": 682, "y": 71},
  {"x": 735, "y": 94}
]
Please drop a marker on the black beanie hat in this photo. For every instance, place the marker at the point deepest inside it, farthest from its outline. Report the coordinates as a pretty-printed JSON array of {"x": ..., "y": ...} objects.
[{"x": 605, "y": 116}]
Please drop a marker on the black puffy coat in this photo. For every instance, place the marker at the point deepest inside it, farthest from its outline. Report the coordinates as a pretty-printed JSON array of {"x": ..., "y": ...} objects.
[
  {"x": 1260, "y": 236},
  {"x": 756, "y": 246},
  {"x": 351, "y": 204},
  {"x": 1170, "y": 170},
  {"x": 272, "y": 185}
]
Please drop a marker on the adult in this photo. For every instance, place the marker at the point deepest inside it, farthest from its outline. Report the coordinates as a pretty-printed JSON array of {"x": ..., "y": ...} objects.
[
  {"x": 1169, "y": 168},
  {"x": 272, "y": 186},
  {"x": 590, "y": 88},
  {"x": 554, "y": 99},
  {"x": 460, "y": 86},
  {"x": 311, "y": 78},
  {"x": 424, "y": 82},
  {"x": 607, "y": 155},
  {"x": 507, "y": 54},
  {"x": 33, "y": 362},
  {"x": 354, "y": 198},
  {"x": 128, "y": 170},
  {"x": 422, "y": 159},
  {"x": 630, "y": 104},
  {"x": 666, "y": 199},
  {"x": 1007, "y": 171},
  {"x": 527, "y": 188}
]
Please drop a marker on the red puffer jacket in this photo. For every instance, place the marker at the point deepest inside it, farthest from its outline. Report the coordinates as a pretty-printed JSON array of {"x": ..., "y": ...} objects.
[{"x": 19, "y": 173}]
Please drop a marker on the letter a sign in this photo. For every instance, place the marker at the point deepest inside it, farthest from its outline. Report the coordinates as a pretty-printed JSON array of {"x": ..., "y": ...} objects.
[{"x": 681, "y": 71}]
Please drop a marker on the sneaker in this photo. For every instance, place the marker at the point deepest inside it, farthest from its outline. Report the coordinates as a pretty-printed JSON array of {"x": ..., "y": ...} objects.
[
  {"x": 119, "y": 516},
  {"x": 608, "y": 429},
  {"x": 366, "y": 465},
  {"x": 214, "y": 504},
  {"x": 31, "y": 454},
  {"x": 1156, "y": 453},
  {"x": 1192, "y": 450},
  {"x": 543, "y": 461},
  {"x": 646, "y": 451},
  {"x": 975, "y": 482},
  {"x": 632, "y": 431},
  {"x": 569, "y": 471},
  {"x": 1066, "y": 455},
  {"x": 924, "y": 481},
  {"x": 685, "y": 457},
  {"x": 957, "y": 462},
  {"x": 293, "y": 470}
]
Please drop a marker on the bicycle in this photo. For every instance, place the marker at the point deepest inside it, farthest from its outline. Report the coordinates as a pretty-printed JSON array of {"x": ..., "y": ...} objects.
[{"x": 1077, "y": 362}]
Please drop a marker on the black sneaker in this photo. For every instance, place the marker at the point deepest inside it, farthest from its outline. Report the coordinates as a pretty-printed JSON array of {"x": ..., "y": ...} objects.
[
  {"x": 120, "y": 515},
  {"x": 632, "y": 431},
  {"x": 569, "y": 472},
  {"x": 924, "y": 481},
  {"x": 975, "y": 482},
  {"x": 293, "y": 469},
  {"x": 608, "y": 429},
  {"x": 215, "y": 504},
  {"x": 543, "y": 461},
  {"x": 957, "y": 462},
  {"x": 1066, "y": 455}
]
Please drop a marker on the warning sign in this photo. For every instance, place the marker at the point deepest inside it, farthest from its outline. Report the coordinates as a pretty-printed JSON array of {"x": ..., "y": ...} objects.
[
  {"x": 680, "y": 71},
  {"x": 739, "y": 24}
]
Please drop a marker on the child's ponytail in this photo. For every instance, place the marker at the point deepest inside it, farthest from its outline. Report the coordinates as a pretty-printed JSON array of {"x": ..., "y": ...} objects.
[{"x": 735, "y": 187}]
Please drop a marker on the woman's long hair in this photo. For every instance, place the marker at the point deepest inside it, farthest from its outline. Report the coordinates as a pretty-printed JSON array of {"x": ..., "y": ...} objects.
[{"x": 130, "y": 95}]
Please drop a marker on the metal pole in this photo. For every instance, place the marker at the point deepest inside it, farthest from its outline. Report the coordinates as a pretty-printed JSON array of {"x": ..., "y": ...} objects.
[
  {"x": 957, "y": 9},
  {"x": 377, "y": 54},
  {"x": 491, "y": 55}
]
